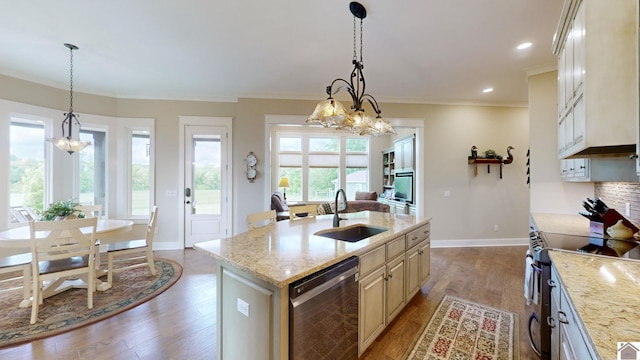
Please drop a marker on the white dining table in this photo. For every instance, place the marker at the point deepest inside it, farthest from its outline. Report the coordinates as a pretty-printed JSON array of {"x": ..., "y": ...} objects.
[{"x": 107, "y": 230}]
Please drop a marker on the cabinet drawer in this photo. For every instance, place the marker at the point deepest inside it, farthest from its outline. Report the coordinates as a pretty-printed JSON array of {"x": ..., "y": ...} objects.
[
  {"x": 418, "y": 235},
  {"x": 395, "y": 247},
  {"x": 372, "y": 260}
]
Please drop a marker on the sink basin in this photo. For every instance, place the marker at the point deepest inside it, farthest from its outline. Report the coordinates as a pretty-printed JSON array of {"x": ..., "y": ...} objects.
[{"x": 352, "y": 233}]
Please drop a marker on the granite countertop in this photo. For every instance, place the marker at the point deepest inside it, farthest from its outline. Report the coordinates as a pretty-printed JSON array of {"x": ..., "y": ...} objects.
[
  {"x": 605, "y": 293},
  {"x": 287, "y": 251},
  {"x": 562, "y": 223}
]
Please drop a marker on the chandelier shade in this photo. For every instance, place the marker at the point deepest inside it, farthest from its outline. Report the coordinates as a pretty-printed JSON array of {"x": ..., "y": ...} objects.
[
  {"x": 331, "y": 113},
  {"x": 68, "y": 143}
]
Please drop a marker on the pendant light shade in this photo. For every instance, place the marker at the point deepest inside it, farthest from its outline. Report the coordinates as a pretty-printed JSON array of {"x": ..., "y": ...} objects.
[
  {"x": 331, "y": 113},
  {"x": 67, "y": 142}
]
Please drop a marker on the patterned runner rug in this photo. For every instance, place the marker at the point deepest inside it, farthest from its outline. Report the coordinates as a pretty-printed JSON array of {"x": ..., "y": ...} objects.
[
  {"x": 68, "y": 310},
  {"x": 460, "y": 329}
]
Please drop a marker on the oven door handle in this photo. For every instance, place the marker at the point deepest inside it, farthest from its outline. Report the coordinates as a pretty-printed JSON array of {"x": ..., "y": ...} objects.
[{"x": 537, "y": 268}]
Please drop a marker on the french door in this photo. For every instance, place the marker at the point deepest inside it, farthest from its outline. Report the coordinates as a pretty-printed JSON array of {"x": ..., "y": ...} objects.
[{"x": 206, "y": 183}]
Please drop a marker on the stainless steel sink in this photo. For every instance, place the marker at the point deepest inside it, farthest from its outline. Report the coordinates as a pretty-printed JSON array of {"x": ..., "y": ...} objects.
[{"x": 352, "y": 233}]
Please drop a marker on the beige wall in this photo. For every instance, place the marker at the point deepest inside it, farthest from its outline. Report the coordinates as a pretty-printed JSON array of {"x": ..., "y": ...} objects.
[
  {"x": 468, "y": 215},
  {"x": 548, "y": 192}
]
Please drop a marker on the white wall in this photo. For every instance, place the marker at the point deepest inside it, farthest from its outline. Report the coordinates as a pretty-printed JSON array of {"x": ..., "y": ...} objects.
[
  {"x": 548, "y": 192},
  {"x": 467, "y": 217}
]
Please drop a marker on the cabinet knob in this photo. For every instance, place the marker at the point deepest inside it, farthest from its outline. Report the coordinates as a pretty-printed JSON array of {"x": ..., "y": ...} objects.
[
  {"x": 551, "y": 322},
  {"x": 551, "y": 283},
  {"x": 562, "y": 317}
]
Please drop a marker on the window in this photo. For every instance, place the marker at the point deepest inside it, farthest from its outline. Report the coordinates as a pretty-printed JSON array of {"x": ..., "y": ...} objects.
[
  {"x": 140, "y": 173},
  {"x": 92, "y": 169},
  {"x": 318, "y": 163},
  {"x": 27, "y": 168}
]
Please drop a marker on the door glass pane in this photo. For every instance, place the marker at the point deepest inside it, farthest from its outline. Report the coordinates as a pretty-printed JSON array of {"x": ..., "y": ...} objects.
[
  {"x": 207, "y": 170},
  {"x": 93, "y": 169},
  {"x": 140, "y": 173},
  {"x": 27, "y": 171},
  {"x": 323, "y": 183}
]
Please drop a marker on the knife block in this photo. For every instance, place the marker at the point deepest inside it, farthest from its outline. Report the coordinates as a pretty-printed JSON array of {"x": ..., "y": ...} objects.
[{"x": 610, "y": 218}]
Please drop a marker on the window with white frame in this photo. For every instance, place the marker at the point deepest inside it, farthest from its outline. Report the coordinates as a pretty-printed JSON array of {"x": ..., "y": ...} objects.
[
  {"x": 317, "y": 163},
  {"x": 39, "y": 173},
  {"x": 140, "y": 173},
  {"x": 92, "y": 176},
  {"x": 27, "y": 168}
]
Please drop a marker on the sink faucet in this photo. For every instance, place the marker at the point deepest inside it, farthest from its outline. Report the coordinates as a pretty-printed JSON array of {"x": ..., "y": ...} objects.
[{"x": 336, "y": 217}]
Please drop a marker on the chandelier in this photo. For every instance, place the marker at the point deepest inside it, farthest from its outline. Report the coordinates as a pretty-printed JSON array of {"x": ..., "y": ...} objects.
[
  {"x": 331, "y": 113},
  {"x": 67, "y": 143}
]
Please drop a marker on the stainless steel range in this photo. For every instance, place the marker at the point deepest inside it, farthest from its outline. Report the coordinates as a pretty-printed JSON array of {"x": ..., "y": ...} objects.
[{"x": 539, "y": 245}]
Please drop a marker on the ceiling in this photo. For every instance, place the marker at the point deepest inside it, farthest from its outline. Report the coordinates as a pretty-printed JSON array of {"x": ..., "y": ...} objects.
[{"x": 417, "y": 51}]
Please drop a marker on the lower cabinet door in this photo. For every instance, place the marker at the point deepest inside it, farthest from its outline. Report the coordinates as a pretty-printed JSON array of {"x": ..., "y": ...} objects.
[
  {"x": 371, "y": 321},
  {"x": 395, "y": 287}
]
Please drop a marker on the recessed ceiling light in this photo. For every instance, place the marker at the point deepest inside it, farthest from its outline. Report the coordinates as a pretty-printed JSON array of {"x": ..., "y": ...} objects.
[
  {"x": 487, "y": 90},
  {"x": 524, "y": 46}
]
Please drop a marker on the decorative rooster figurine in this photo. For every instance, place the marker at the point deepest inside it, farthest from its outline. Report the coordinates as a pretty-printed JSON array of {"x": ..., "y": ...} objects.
[{"x": 509, "y": 158}]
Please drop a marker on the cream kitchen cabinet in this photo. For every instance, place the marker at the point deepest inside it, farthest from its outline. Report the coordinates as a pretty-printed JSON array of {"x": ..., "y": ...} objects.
[
  {"x": 568, "y": 336},
  {"x": 597, "y": 77},
  {"x": 404, "y": 154},
  {"x": 382, "y": 289},
  {"x": 418, "y": 259},
  {"x": 609, "y": 168}
]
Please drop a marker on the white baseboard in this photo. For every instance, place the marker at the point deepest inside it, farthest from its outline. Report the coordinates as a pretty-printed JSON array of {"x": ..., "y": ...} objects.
[
  {"x": 164, "y": 245},
  {"x": 479, "y": 242}
]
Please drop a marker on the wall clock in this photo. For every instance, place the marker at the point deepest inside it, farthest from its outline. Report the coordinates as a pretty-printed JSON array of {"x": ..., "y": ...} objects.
[{"x": 251, "y": 161}]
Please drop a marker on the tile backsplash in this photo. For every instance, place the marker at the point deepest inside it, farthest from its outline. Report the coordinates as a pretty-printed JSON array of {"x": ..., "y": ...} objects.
[{"x": 617, "y": 194}]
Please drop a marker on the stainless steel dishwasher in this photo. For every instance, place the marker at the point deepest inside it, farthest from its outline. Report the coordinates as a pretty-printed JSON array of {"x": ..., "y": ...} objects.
[{"x": 323, "y": 313}]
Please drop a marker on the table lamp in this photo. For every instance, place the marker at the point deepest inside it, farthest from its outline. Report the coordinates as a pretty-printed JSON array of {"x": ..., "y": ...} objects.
[{"x": 284, "y": 183}]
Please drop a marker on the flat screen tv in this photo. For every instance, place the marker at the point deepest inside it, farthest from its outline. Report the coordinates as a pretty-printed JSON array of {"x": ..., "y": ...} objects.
[{"x": 403, "y": 187}]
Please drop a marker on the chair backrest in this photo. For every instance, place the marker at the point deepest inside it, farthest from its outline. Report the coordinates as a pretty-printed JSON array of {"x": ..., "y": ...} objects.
[
  {"x": 151, "y": 226},
  {"x": 64, "y": 239},
  {"x": 277, "y": 202},
  {"x": 302, "y": 211},
  {"x": 89, "y": 210},
  {"x": 260, "y": 219}
]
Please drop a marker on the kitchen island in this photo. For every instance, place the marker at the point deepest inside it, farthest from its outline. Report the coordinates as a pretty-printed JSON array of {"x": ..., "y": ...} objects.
[
  {"x": 603, "y": 293},
  {"x": 256, "y": 267}
]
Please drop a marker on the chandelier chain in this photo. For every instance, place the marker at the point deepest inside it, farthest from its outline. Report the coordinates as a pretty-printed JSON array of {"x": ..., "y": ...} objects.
[
  {"x": 355, "y": 57},
  {"x": 71, "y": 83},
  {"x": 361, "y": 61}
]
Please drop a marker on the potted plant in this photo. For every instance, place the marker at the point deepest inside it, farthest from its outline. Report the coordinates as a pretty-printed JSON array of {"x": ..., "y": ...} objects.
[
  {"x": 490, "y": 154},
  {"x": 59, "y": 210}
]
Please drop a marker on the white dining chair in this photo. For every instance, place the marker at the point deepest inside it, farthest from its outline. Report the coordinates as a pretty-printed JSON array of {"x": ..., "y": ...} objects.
[
  {"x": 303, "y": 211},
  {"x": 89, "y": 210},
  {"x": 141, "y": 249},
  {"x": 19, "y": 264},
  {"x": 261, "y": 219},
  {"x": 64, "y": 252}
]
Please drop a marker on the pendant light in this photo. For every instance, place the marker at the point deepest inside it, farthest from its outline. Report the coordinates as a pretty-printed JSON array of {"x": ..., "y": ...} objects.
[
  {"x": 67, "y": 143},
  {"x": 331, "y": 113}
]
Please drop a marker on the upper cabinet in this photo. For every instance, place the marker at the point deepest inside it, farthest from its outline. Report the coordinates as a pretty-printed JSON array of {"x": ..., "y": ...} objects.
[
  {"x": 404, "y": 154},
  {"x": 597, "y": 47}
]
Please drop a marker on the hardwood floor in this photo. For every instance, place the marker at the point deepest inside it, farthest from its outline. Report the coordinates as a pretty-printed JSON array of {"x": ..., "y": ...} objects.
[{"x": 180, "y": 323}]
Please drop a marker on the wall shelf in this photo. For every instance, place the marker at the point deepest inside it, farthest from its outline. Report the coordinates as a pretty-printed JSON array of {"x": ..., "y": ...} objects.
[{"x": 475, "y": 160}]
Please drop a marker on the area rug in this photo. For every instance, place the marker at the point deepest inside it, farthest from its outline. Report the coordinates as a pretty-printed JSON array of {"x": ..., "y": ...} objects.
[
  {"x": 461, "y": 329},
  {"x": 68, "y": 310}
]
